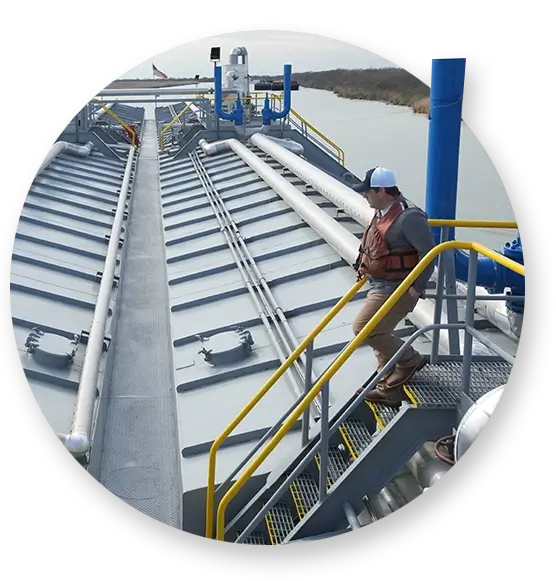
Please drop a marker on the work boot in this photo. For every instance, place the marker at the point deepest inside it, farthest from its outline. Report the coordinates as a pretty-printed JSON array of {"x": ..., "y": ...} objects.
[
  {"x": 384, "y": 375},
  {"x": 403, "y": 373},
  {"x": 361, "y": 389},
  {"x": 382, "y": 379},
  {"x": 385, "y": 395}
]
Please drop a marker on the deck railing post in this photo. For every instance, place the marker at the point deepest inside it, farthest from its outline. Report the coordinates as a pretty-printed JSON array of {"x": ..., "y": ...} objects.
[
  {"x": 324, "y": 437},
  {"x": 469, "y": 321},
  {"x": 308, "y": 385},
  {"x": 439, "y": 296},
  {"x": 451, "y": 304}
]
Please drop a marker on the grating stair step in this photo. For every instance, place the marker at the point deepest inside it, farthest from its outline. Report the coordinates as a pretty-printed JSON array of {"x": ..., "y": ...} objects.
[
  {"x": 279, "y": 523},
  {"x": 434, "y": 390},
  {"x": 255, "y": 538},
  {"x": 337, "y": 465},
  {"x": 305, "y": 494},
  {"x": 356, "y": 436},
  {"x": 438, "y": 385}
]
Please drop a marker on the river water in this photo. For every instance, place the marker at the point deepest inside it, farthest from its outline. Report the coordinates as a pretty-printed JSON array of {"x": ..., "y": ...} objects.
[{"x": 372, "y": 133}]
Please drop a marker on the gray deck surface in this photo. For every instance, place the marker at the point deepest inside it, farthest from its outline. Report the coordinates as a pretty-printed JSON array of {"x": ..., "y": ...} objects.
[
  {"x": 139, "y": 461},
  {"x": 58, "y": 251}
]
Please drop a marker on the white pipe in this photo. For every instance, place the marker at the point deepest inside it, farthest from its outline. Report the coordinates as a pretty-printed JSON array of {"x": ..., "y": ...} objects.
[
  {"x": 245, "y": 132},
  {"x": 357, "y": 208},
  {"x": 214, "y": 147},
  {"x": 197, "y": 112},
  {"x": 423, "y": 315},
  {"x": 288, "y": 144},
  {"x": 101, "y": 111},
  {"x": 342, "y": 241},
  {"x": 78, "y": 440},
  {"x": 496, "y": 312},
  {"x": 65, "y": 147},
  {"x": 54, "y": 151},
  {"x": 353, "y": 204},
  {"x": 509, "y": 322}
]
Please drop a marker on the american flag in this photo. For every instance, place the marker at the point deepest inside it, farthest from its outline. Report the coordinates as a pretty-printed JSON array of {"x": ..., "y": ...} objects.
[{"x": 158, "y": 73}]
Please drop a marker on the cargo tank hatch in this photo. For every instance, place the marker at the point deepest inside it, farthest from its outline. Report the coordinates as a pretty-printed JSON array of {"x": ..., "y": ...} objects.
[{"x": 227, "y": 347}]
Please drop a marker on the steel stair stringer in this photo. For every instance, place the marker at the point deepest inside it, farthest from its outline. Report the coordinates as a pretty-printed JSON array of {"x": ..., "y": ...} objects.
[
  {"x": 248, "y": 511},
  {"x": 374, "y": 468},
  {"x": 279, "y": 474}
]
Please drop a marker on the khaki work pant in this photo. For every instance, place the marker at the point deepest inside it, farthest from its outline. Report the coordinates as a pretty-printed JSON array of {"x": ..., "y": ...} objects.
[{"x": 381, "y": 339}]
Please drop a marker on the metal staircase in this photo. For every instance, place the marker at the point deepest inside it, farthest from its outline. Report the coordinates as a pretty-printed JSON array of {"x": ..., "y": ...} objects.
[
  {"x": 348, "y": 459},
  {"x": 352, "y": 457},
  {"x": 375, "y": 441}
]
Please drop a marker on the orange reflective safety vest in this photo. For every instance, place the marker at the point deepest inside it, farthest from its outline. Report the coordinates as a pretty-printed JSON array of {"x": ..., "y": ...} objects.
[{"x": 374, "y": 255}]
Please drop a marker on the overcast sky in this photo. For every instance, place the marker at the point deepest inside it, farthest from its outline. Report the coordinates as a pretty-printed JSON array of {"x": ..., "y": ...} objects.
[{"x": 268, "y": 52}]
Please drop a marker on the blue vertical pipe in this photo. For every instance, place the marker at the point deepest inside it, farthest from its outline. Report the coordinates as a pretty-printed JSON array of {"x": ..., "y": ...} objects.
[
  {"x": 446, "y": 98},
  {"x": 287, "y": 94},
  {"x": 267, "y": 113}
]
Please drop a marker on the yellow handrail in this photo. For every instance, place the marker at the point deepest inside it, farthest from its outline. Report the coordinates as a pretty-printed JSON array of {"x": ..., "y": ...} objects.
[
  {"x": 122, "y": 123},
  {"x": 174, "y": 120},
  {"x": 343, "y": 356},
  {"x": 266, "y": 387},
  {"x": 473, "y": 223},
  {"x": 339, "y": 151},
  {"x": 272, "y": 381}
]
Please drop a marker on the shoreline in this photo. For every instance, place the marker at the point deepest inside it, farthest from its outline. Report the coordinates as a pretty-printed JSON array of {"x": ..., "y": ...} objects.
[
  {"x": 419, "y": 106},
  {"x": 393, "y": 86}
]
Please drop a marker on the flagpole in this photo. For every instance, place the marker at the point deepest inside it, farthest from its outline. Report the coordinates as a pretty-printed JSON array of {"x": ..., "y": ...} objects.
[{"x": 155, "y": 95}]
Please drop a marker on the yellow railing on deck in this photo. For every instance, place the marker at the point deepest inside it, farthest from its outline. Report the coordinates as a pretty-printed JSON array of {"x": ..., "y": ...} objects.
[
  {"x": 304, "y": 123},
  {"x": 330, "y": 372},
  {"x": 122, "y": 123},
  {"x": 174, "y": 120},
  {"x": 473, "y": 223}
]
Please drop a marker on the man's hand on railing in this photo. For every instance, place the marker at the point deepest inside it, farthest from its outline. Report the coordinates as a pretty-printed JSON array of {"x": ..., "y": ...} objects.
[{"x": 362, "y": 273}]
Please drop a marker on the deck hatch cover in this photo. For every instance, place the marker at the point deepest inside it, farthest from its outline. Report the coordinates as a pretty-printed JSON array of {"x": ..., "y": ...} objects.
[
  {"x": 51, "y": 350},
  {"x": 227, "y": 347}
]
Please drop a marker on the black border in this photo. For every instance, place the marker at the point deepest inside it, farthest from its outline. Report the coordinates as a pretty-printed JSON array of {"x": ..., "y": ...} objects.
[{"x": 487, "y": 519}]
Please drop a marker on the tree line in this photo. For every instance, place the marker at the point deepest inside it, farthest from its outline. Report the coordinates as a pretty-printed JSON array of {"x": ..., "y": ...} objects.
[{"x": 389, "y": 85}]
